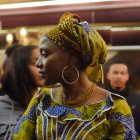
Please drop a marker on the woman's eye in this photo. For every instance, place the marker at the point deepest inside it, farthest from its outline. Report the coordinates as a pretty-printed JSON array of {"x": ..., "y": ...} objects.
[{"x": 44, "y": 53}]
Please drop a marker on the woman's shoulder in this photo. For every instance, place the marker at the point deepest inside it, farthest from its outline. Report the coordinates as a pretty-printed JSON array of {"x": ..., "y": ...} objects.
[
  {"x": 54, "y": 94},
  {"x": 119, "y": 100},
  {"x": 38, "y": 97},
  {"x": 116, "y": 96},
  {"x": 121, "y": 104},
  {"x": 42, "y": 93},
  {"x": 43, "y": 97}
]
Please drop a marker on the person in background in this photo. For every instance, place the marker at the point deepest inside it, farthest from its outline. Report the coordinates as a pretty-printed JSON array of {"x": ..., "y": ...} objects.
[
  {"x": 118, "y": 77},
  {"x": 20, "y": 81},
  {"x": 7, "y": 53},
  {"x": 84, "y": 111}
]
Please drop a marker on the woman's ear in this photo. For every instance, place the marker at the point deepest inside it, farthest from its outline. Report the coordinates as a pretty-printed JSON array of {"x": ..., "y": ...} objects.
[{"x": 72, "y": 59}]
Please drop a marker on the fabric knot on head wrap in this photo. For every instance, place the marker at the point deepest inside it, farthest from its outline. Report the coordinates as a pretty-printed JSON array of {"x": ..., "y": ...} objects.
[{"x": 71, "y": 33}]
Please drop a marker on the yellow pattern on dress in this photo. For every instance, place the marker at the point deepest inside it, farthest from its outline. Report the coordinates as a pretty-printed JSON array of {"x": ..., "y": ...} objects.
[{"x": 92, "y": 122}]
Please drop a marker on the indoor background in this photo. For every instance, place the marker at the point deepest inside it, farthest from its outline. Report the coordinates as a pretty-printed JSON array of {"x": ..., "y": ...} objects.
[{"x": 118, "y": 21}]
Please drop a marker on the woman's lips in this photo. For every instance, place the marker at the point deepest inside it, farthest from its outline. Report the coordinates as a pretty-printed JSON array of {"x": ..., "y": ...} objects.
[{"x": 42, "y": 74}]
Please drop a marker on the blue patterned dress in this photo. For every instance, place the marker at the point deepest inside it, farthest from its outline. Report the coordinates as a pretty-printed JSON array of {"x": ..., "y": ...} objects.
[{"x": 48, "y": 119}]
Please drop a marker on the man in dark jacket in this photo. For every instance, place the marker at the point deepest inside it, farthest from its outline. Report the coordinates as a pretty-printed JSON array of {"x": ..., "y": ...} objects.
[{"x": 118, "y": 77}]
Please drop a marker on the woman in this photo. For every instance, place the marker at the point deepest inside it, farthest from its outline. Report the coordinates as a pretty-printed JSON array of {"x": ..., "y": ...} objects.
[
  {"x": 80, "y": 110},
  {"x": 7, "y": 53},
  {"x": 19, "y": 83}
]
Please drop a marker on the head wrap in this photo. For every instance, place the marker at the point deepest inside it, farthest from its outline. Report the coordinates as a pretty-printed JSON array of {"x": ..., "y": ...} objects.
[{"x": 71, "y": 33}]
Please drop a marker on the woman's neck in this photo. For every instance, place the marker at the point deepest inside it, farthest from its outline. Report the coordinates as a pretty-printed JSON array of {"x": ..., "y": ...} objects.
[{"x": 76, "y": 90}]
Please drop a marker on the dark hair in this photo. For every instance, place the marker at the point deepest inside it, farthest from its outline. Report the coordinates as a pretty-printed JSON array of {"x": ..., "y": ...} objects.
[
  {"x": 117, "y": 61},
  {"x": 17, "y": 80},
  {"x": 11, "y": 49}
]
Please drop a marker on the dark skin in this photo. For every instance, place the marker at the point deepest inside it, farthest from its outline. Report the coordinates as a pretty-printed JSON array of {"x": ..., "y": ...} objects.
[{"x": 52, "y": 61}]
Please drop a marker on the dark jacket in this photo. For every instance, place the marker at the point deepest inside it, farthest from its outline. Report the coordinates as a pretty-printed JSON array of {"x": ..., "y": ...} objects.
[{"x": 133, "y": 100}]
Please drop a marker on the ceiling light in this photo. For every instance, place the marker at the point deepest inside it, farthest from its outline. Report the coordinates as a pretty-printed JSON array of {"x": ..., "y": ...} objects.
[{"x": 48, "y": 3}]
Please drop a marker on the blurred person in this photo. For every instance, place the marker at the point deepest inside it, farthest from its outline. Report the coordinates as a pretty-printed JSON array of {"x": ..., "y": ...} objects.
[
  {"x": 118, "y": 77},
  {"x": 20, "y": 80},
  {"x": 84, "y": 111},
  {"x": 7, "y": 53}
]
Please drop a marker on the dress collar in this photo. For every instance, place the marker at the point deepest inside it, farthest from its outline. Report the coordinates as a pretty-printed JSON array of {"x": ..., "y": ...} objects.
[{"x": 83, "y": 113}]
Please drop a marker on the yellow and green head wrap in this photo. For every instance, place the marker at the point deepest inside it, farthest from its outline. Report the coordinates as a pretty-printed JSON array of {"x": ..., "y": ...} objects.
[{"x": 71, "y": 33}]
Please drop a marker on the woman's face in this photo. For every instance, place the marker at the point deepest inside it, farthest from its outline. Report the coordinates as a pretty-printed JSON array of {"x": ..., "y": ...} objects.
[
  {"x": 35, "y": 70},
  {"x": 51, "y": 62}
]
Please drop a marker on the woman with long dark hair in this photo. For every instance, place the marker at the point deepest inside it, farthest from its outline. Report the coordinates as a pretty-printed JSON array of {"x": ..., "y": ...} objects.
[{"x": 20, "y": 81}]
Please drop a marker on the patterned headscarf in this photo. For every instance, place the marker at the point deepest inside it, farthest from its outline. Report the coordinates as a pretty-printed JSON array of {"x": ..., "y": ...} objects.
[{"x": 71, "y": 33}]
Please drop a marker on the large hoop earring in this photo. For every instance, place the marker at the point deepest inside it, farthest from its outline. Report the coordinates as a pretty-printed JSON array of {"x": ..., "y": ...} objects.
[{"x": 65, "y": 78}]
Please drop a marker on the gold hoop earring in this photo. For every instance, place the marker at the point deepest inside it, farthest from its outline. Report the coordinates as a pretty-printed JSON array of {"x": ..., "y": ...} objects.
[{"x": 65, "y": 78}]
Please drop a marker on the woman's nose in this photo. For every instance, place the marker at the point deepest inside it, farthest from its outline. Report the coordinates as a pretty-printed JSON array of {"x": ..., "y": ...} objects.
[{"x": 39, "y": 64}]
